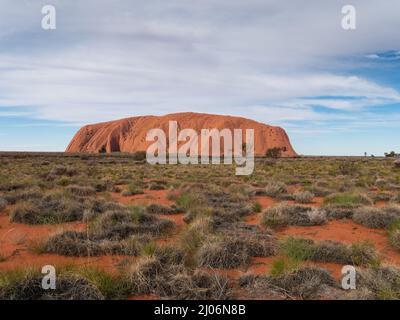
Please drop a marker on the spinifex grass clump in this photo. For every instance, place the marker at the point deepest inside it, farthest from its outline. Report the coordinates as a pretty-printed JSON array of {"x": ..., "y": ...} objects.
[
  {"x": 297, "y": 250},
  {"x": 3, "y": 203},
  {"x": 303, "y": 196},
  {"x": 381, "y": 283},
  {"x": 53, "y": 208},
  {"x": 160, "y": 209},
  {"x": 132, "y": 189},
  {"x": 379, "y": 218},
  {"x": 120, "y": 231},
  {"x": 302, "y": 283},
  {"x": 394, "y": 234},
  {"x": 80, "y": 244},
  {"x": 347, "y": 199},
  {"x": 59, "y": 207},
  {"x": 165, "y": 275},
  {"x": 81, "y": 191},
  {"x": 285, "y": 214},
  {"x": 28, "y": 286}
]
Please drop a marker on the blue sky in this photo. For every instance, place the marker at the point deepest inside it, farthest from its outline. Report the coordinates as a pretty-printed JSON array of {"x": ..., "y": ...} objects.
[{"x": 335, "y": 92}]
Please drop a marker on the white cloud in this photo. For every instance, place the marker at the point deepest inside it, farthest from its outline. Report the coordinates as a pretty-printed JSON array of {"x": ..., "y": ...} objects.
[{"x": 266, "y": 60}]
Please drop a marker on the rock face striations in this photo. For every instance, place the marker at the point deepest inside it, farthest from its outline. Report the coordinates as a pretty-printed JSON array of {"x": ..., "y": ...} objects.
[{"x": 129, "y": 135}]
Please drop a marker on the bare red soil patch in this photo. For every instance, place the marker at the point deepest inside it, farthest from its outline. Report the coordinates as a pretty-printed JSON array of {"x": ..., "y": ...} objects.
[
  {"x": 265, "y": 201},
  {"x": 380, "y": 203}
]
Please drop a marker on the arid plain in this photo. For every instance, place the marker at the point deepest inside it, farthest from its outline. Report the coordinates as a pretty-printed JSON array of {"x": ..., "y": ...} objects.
[{"x": 116, "y": 227}]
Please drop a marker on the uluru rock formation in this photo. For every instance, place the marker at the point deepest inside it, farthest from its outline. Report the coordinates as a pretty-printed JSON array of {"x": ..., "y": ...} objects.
[{"x": 129, "y": 135}]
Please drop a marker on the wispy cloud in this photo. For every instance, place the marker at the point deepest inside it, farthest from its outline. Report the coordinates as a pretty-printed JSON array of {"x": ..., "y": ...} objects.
[{"x": 268, "y": 60}]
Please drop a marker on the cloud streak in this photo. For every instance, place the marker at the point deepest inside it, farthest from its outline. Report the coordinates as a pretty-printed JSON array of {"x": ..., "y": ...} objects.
[{"x": 271, "y": 61}]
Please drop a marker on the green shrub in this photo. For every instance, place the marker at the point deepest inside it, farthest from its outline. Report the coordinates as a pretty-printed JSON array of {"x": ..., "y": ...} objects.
[{"x": 347, "y": 199}]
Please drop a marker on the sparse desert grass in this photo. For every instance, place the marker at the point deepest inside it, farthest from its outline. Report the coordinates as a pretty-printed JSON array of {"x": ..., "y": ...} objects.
[
  {"x": 347, "y": 199},
  {"x": 3, "y": 203},
  {"x": 132, "y": 189},
  {"x": 302, "y": 283},
  {"x": 25, "y": 195},
  {"x": 395, "y": 198},
  {"x": 379, "y": 218},
  {"x": 256, "y": 207},
  {"x": 223, "y": 254},
  {"x": 59, "y": 188},
  {"x": 339, "y": 212},
  {"x": 285, "y": 214},
  {"x": 81, "y": 191},
  {"x": 303, "y": 196},
  {"x": 120, "y": 224},
  {"x": 160, "y": 209},
  {"x": 76, "y": 244},
  {"x": 275, "y": 189},
  {"x": 394, "y": 234},
  {"x": 26, "y": 285},
  {"x": 381, "y": 283},
  {"x": 297, "y": 250},
  {"x": 169, "y": 279},
  {"x": 58, "y": 207}
]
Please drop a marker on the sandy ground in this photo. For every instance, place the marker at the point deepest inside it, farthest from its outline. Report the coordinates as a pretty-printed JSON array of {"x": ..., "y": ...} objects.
[{"x": 19, "y": 242}]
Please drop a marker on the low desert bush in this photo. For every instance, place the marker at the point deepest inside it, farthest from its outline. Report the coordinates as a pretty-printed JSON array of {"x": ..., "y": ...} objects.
[
  {"x": 275, "y": 189},
  {"x": 78, "y": 244},
  {"x": 297, "y": 250},
  {"x": 224, "y": 254},
  {"x": 111, "y": 286},
  {"x": 195, "y": 234},
  {"x": 256, "y": 207},
  {"x": 120, "y": 224},
  {"x": 95, "y": 207},
  {"x": 173, "y": 281},
  {"x": 189, "y": 201},
  {"x": 347, "y": 199},
  {"x": 29, "y": 287},
  {"x": 3, "y": 203},
  {"x": 379, "y": 218},
  {"x": 53, "y": 208},
  {"x": 235, "y": 245},
  {"x": 23, "y": 195},
  {"x": 157, "y": 185},
  {"x": 382, "y": 283},
  {"x": 284, "y": 214},
  {"x": 303, "y": 283},
  {"x": 339, "y": 212},
  {"x": 364, "y": 254},
  {"x": 81, "y": 191},
  {"x": 395, "y": 198},
  {"x": 320, "y": 190},
  {"x": 257, "y": 243},
  {"x": 303, "y": 196},
  {"x": 132, "y": 189},
  {"x": 60, "y": 170},
  {"x": 394, "y": 234},
  {"x": 160, "y": 209}
]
